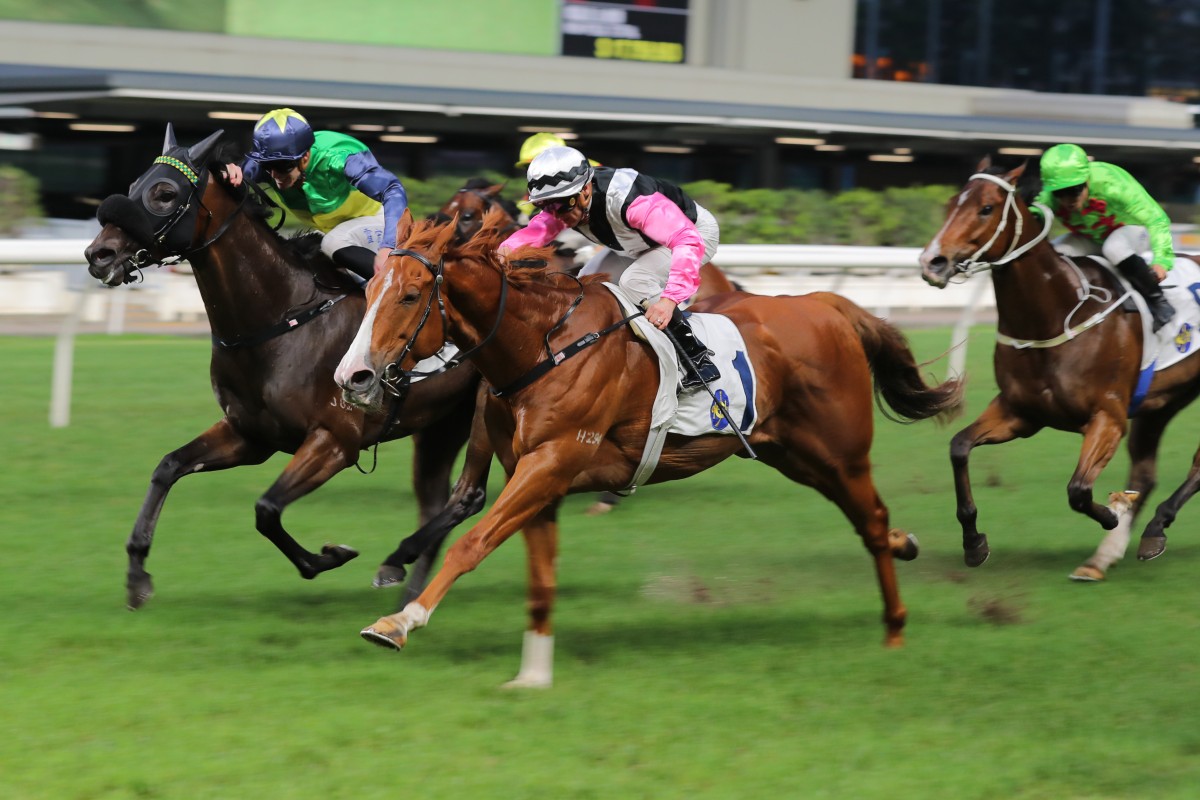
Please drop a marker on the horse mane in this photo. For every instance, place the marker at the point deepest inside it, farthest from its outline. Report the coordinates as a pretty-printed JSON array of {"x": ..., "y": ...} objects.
[
  {"x": 302, "y": 247},
  {"x": 483, "y": 245}
]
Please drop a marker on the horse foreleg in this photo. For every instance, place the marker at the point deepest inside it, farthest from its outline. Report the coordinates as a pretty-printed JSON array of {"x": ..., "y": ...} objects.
[
  {"x": 996, "y": 425},
  {"x": 540, "y": 478},
  {"x": 317, "y": 460},
  {"x": 220, "y": 447},
  {"x": 1144, "y": 437},
  {"x": 1101, "y": 436},
  {"x": 466, "y": 499},
  {"x": 537, "y": 651}
]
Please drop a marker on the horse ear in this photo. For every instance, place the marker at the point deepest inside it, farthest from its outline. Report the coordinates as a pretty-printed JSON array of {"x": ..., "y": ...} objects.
[
  {"x": 446, "y": 235},
  {"x": 1016, "y": 173},
  {"x": 984, "y": 164},
  {"x": 493, "y": 191},
  {"x": 404, "y": 227},
  {"x": 198, "y": 153},
  {"x": 169, "y": 142}
]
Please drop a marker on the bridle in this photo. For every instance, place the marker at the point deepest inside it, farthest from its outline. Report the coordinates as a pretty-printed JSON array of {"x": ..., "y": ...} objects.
[
  {"x": 396, "y": 380},
  {"x": 143, "y": 258},
  {"x": 973, "y": 265}
]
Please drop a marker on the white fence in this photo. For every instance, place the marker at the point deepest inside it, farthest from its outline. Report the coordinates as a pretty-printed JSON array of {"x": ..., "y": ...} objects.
[{"x": 49, "y": 278}]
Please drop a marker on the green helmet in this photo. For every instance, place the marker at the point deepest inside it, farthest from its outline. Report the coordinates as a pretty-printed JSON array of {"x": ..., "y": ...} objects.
[
  {"x": 536, "y": 144},
  {"x": 1063, "y": 166}
]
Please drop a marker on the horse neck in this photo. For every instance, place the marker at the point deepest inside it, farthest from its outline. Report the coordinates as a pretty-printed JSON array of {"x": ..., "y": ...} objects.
[
  {"x": 472, "y": 291},
  {"x": 246, "y": 279},
  {"x": 1035, "y": 293}
]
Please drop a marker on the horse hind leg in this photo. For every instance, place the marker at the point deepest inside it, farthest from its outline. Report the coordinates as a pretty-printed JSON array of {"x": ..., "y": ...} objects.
[
  {"x": 851, "y": 488},
  {"x": 1154, "y": 538},
  {"x": 220, "y": 447},
  {"x": 317, "y": 460}
]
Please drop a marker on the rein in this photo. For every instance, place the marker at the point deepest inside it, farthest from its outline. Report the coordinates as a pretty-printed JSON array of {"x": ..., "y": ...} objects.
[
  {"x": 973, "y": 266},
  {"x": 553, "y": 359}
]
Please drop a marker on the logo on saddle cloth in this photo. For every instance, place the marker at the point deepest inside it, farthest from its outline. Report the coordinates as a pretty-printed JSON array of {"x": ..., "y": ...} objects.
[
  {"x": 1183, "y": 339},
  {"x": 715, "y": 413}
]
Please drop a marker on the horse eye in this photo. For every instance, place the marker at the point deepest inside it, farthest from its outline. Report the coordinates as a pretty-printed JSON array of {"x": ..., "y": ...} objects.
[
  {"x": 410, "y": 297},
  {"x": 985, "y": 211}
]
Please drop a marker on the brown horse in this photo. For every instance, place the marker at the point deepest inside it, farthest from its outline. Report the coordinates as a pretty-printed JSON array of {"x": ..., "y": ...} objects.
[
  {"x": 1068, "y": 358},
  {"x": 470, "y": 203},
  {"x": 278, "y": 330},
  {"x": 582, "y": 425}
]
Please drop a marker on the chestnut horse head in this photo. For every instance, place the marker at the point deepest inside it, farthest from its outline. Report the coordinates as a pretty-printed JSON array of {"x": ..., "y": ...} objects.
[
  {"x": 583, "y": 423},
  {"x": 471, "y": 203},
  {"x": 1067, "y": 357}
]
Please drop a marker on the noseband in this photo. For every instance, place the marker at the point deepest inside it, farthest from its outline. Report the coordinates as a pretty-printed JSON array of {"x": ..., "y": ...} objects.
[{"x": 973, "y": 265}]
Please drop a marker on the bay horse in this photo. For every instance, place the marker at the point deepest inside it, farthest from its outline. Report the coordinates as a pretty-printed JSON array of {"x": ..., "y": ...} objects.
[
  {"x": 470, "y": 203},
  {"x": 582, "y": 425},
  {"x": 1053, "y": 372},
  {"x": 278, "y": 330}
]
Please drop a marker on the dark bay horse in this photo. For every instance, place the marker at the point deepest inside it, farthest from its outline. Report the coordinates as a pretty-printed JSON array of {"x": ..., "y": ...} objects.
[
  {"x": 470, "y": 203},
  {"x": 582, "y": 425},
  {"x": 1068, "y": 358},
  {"x": 278, "y": 329}
]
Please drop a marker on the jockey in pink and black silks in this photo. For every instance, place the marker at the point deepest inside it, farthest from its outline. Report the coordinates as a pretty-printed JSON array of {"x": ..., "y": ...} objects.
[
  {"x": 330, "y": 181},
  {"x": 664, "y": 235},
  {"x": 1109, "y": 213}
]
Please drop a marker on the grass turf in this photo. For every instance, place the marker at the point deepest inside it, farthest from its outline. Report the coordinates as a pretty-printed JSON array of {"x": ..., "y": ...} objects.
[{"x": 716, "y": 638}]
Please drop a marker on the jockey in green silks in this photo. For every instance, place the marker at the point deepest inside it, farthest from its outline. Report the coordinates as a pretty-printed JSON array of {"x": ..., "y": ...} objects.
[{"x": 1109, "y": 213}]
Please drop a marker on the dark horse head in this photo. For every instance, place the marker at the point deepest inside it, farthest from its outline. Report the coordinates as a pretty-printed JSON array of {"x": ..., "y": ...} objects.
[
  {"x": 470, "y": 203},
  {"x": 158, "y": 219}
]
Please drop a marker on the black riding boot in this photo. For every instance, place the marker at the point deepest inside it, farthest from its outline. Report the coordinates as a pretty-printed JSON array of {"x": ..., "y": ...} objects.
[
  {"x": 693, "y": 350},
  {"x": 358, "y": 260},
  {"x": 1138, "y": 272}
]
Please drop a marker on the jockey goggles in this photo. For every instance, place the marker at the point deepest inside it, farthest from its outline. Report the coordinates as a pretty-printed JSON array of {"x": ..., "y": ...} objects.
[
  {"x": 280, "y": 166},
  {"x": 557, "y": 206}
]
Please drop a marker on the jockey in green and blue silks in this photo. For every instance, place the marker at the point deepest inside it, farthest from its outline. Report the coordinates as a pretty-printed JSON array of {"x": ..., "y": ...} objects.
[
  {"x": 331, "y": 181},
  {"x": 1108, "y": 212}
]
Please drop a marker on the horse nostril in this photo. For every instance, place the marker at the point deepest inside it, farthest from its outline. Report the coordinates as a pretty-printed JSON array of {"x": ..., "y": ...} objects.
[
  {"x": 99, "y": 256},
  {"x": 361, "y": 380}
]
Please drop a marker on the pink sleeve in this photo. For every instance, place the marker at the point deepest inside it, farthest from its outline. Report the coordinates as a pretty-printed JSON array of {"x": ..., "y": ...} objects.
[
  {"x": 665, "y": 223},
  {"x": 540, "y": 231}
]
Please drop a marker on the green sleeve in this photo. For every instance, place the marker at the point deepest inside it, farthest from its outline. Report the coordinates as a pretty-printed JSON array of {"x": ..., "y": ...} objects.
[{"x": 1133, "y": 205}]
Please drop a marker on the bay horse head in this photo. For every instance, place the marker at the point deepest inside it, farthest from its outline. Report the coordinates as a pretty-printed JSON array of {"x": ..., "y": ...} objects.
[
  {"x": 470, "y": 204},
  {"x": 160, "y": 217},
  {"x": 984, "y": 227},
  {"x": 405, "y": 319}
]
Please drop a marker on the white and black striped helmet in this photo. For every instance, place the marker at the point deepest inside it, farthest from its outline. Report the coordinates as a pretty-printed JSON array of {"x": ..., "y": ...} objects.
[{"x": 558, "y": 172}]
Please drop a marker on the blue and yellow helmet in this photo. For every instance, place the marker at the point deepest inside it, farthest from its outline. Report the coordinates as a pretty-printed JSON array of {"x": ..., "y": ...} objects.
[{"x": 281, "y": 135}]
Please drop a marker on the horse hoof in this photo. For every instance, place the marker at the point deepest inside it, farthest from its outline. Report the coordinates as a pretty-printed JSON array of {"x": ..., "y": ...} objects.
[
  {"x": 904, "y": 545},
  {"x": 1086, "y": 573},
  {"x": 136, "y": 594},
  {"x": 528, "y": 682},
  {"x": 384, "y": 639},
  {"x": 389, "y": 576},
  {"x": 1151, "y": 547},
  {"x": 975, "y": 556},
  {"x": 594, "y": 510},
  {"x": 338, "y": 554}
]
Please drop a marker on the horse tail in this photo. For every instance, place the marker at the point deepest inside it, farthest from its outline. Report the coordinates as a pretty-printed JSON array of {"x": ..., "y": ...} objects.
[{"x": 898, "y": 380}]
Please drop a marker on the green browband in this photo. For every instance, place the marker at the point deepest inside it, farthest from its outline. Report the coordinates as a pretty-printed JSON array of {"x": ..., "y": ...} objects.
[{"x": 187, "y": 171}]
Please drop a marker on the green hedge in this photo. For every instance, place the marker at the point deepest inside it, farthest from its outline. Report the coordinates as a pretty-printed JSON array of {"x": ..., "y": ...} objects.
[
  {"x": 19, "y": 199},
  {"x": 904, "y": 217}
]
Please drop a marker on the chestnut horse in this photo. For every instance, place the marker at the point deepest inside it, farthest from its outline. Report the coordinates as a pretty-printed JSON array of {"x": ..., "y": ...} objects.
[
  {"x": 1067, "y": 358},
  {"x": 470, "y": 203},
  {"x": 582, "y": 425},
  {"x": 278, "y": 330}
]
